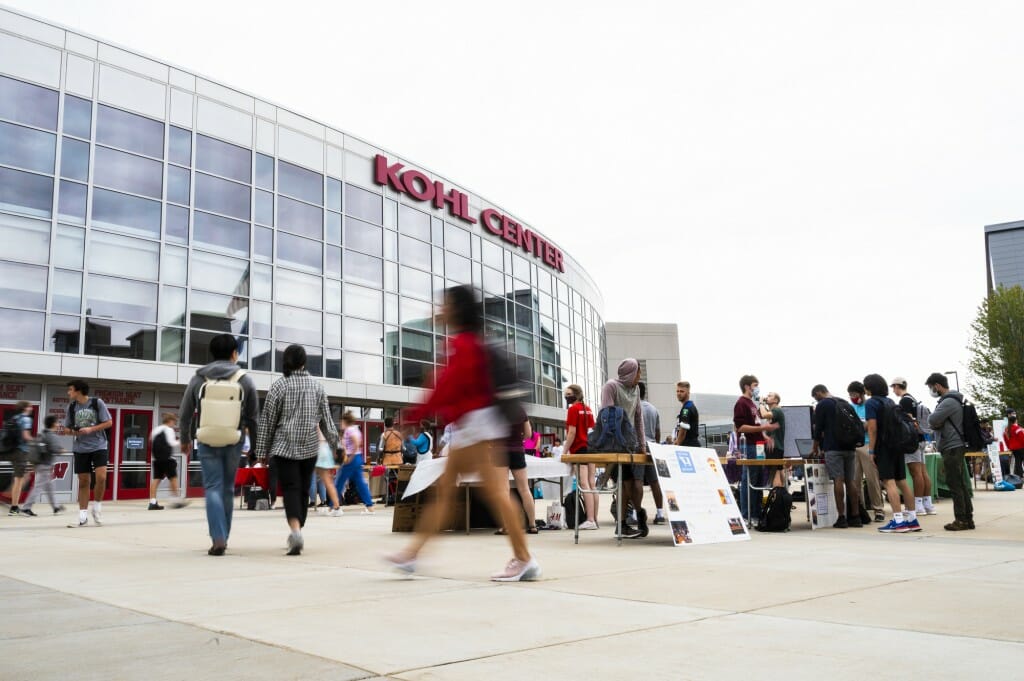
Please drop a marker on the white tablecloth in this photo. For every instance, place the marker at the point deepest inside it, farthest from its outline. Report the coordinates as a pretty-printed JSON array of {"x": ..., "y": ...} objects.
[{"x": 428, "y": 472}]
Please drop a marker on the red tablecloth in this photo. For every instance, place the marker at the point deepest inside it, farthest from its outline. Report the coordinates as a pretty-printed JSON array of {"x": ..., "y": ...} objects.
[{"x": 252, "y": 476}]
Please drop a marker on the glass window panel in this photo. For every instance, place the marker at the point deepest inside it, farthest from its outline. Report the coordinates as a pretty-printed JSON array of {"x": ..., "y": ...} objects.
[
  {"x": 332, "y": 296},
  {"x": 74, "y": 159},
  {"x": 363, "y": 336},
  {"x": 391, "y": 341},
  {"x": 332, "y": 227},
  {"x": 118, "y": 170},
  {"x": 494, "y": 308},
  {"x": 224, "y": 159},
  {"x": 220, "y": 273},
  {"x": 437, "y": 231},
  {"x": 129, "y": 131},
  {"x": 363, "y": 269},
  {"x": 492, "y": 255},
  {"x": 362, "y": 302},
  {"x": 172, "y": 306},
  {"x": 414, "y": 374},
  {"x": 300, "y": 218},
  {"x": 438, "y": 257},
  {"x": 32, "y": 238},
  {"x": 414, "y": 253},
  {"x": 457, "y": 240},
  {"x": 77, "y": 117},
  {"x": 21, "y": 330},
  {"x": 333, "y": 255},
  {"x": 263, "y": 248},
  {"x": 222, "y": 196},
  {"x": 179, "y": 181},
  {"x": 176, "y": 229},
  {"x": 71, "y": 202},
  {"x": 172, "y": 345},
  {"x": 120, "y": 299},
  {"x": 476, "y": 247},
  {"x": 314, "y": 358},
  {"x": 29, "y": 104},
  {"x": 416, "y": 314},
  {"x": 292, "y": 325},
  {"x": 300, "y": 183},
  {"x": 363, "y": 204},
  {"x": 179, "y": 148},
  {"x": 122, "y": 255},
  {"x": 392, "y": 371},
  {"x": 390, "y": 245},
  {"x": 457, "y": 268},
  {"x": 390, "y": 276},
  {"x": 65, "y": 334},
  {"x": 70, "y": 250},
  {"x": 262, "y": 281},
  {"x": 494, "y": 282},
  {"x": 125, "y": 213},
  {"x": 264, "y": 172},
  {"x": 27, "y": 148},
  {"x": 26, "y": 193},
  {"x": 22, "y": 285},
  {"x": 332, "y": 331},
  {"x": 174, "y": 265},
  {"x": 259, "y": 319},
  {"x": 300, "y": 252},
  {"x": 224, "y": 233},
  {"x": 521, "y": 267},
  {"x": 295, "y": 288},
  {"x": 333, "y": 194},
  {"x": 363, "y": 368},
  {"x": 362, "y": 236},
  {"x": 390, "y": 308},
  {"x": 225, "y": 314},
  {"x": 417, "y": 345},
  {"x": 413, "y": 222},
  {"x": 332, "y": 363},
  {"x": 260, "y": 354},
  {"x": 416, "y": 283},
  {"x": 264, "y": 208}
]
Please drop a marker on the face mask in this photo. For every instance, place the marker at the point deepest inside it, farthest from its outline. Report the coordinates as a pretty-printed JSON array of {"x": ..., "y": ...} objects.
[
  {"x": 569, "y": 399},
  {"x": 934, "y": 392},
  {"x": 856, "y": 400},
  {"x": 756, "y": 394}
]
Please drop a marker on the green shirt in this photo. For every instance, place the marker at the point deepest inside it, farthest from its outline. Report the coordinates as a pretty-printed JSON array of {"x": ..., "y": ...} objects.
[{"x": 779, "y": 436}]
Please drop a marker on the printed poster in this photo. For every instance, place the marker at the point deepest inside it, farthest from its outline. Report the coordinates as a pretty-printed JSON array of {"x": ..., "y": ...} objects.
[
  {"x": 699, "y": 505},
  {"x": 821, "y": 495}
]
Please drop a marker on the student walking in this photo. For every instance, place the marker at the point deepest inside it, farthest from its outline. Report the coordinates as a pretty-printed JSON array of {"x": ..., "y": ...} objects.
[
  {"x": 324, "y": 465},
  {"x": 46, "y": 444},
  {"x": 352, "y": 468},
  {"x": 88, "y": 420},
  {"x": 163, "y": 441}
]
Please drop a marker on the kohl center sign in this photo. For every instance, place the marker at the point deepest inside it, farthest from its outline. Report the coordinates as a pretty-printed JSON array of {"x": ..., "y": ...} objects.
[{"x": 417, "y": 185}]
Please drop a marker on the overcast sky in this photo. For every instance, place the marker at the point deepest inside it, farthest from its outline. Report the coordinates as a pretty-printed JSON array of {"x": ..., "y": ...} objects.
[{"x": 801, "y": 186}]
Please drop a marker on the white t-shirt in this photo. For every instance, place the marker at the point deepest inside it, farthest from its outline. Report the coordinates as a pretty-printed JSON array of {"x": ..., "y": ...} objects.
[{"x": 168, "y": 432}]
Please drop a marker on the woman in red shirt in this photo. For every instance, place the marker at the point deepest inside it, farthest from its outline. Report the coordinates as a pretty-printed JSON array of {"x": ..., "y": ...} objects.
[
  {"x": 463, "y": 395},
  {"x": 578, "y": 421},
  {"x": 1013, "y": 438}
]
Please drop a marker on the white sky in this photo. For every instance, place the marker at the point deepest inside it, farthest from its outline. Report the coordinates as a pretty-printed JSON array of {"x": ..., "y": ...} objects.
[{"x": 801, "y": 186}]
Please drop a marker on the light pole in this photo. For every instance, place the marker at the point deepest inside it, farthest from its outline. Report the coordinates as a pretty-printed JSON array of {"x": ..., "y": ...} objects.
[{"x": 956, "y": 377}]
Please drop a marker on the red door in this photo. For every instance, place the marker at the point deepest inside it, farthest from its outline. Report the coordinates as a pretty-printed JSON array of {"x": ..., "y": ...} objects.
[{"x": 133, "y": 453}]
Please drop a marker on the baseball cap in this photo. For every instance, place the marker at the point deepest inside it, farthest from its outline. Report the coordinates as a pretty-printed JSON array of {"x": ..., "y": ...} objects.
[{"x": 899, "y": 380}]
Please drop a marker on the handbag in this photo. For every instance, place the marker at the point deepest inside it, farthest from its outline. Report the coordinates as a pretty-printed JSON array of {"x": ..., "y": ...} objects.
[{"x": 556, "y": 516}]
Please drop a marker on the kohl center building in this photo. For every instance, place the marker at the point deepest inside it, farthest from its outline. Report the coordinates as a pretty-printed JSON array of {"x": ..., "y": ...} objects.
[{"x": 145, "y": 209}]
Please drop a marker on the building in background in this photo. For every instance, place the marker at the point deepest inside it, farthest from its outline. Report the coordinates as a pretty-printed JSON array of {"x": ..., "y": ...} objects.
[
  {"x": 1004, "y": 254},
  {"x": 656, "y": 348}
]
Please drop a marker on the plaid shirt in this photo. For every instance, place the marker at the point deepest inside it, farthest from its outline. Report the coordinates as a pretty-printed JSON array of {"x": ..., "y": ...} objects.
[{"x": 294, "y": 407}]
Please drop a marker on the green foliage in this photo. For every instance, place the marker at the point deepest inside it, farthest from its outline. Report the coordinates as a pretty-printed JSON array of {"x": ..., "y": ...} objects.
[{"x": 997, "y": 352}]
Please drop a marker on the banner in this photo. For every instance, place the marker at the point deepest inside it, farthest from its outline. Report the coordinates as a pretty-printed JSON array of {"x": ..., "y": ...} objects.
[
  {"x": 821, "y": 496},
  {"x": 699, "y": 505},
  {"x": 993, "y": 462}
]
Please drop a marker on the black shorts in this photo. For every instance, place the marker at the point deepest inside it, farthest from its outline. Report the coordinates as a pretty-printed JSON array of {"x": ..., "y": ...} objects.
[
  {"x": 890, "y": 467},
  {"x": 165, "y": 468},
  {"x": 651, "y": 475},
  {"x": 87, "y": 462},
  {"x": 19, "y": 461},
  {"x": 516, "y": 460},
  {"x": 634, "y": 471}
]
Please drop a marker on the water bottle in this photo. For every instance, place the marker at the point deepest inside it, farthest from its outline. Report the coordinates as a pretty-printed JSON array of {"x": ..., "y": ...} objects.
[{"x": 743, "y": 446}]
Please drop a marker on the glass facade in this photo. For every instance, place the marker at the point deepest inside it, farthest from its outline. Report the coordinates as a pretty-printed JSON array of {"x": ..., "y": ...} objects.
[{"x": 141, "y": 236}]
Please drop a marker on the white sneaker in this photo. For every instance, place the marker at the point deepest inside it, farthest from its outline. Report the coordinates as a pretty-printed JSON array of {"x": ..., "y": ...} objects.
[
  {"x": 588, "y": 525},
  {"x": 368, "y": 511},
  {"x": 518, "y": 571},
  {"x": 920, "y": 510},
  {"x": 400, "y": 563},
  {"x": 930, "y": 510},
  {"x": 336, "y": 513},
  {"x": 97, "y": 517}
]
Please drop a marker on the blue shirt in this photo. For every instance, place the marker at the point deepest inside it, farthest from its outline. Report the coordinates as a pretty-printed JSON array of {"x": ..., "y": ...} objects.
[
  {"x": 875, "y": 409},
  {"x": 24, "y": 423},
  {"x": 860, "y": 409}
]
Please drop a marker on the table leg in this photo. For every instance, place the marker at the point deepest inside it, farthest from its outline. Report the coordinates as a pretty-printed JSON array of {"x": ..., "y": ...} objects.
[
  {"x": 576, "y": 516},
  {"x": 467, "y": 509},
  {"x": 618, "y": 506}
]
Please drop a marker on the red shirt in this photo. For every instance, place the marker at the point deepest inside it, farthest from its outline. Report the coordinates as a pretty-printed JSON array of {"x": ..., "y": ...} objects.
[
  {"x": 745, "y": 414},
  {"x": 1013, "y": 436},
  {"x": 464, "y": 384},
  {"x": 582, "y": 418}
]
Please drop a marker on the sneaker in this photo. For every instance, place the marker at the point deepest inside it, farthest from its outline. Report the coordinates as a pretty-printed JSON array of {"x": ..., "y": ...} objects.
[
  {"x": 518, "y": 571},
  {"x": 903, "y": 528},
  {"x": 865, "y": 518},
  {"x": 920, "y": 510},
  {"x": 913, "y": 525},
  {"x": 180, "y": 504},
  {"x": 401, "y": 563},
  {"x": 29, "y": 512},
  {"x": 336, "y": 513},
  {"x": 630, "y": 532},
  {"x": 295, "y": 544},
  {"x": 857, "y": 522},
  {"x": 14, "y": 511},
  {"x": 879, "y": 517},
  {"x": 58, "y": 510},
  {"x": 154, "y": 507},
  {"x": 959, "y": 525},
  {"x": 367, "y": 510},
  {"x": 891, "y": 526},
  {"x": 931, "y": 510},
  {"x": 642, "y": 523},
  {"x": 970, "y": 524},
  {"x": 659, "y": 519},
  {"x": 97, "y": 517},
  {"x": 840, "y": 523},
  {"x": 80, "y": 523},
  {"x": 588, "y": 525}
]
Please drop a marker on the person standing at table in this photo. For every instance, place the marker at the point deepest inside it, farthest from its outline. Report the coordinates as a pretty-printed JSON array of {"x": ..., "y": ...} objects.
[
  {"x": 578, "y": 421},
  {"x": 1013, "y": 440},
  {"x": 296, "y": 404},
  {"x": 623, "y": 392},
  {"x": 652, "y": 431},
  {"x": 775, "y": 444},
  {"x": 866, "y": 468},
  {"x": 892, "y": 471},
  {"x": 948, "y": 421},
  {"x": 688, "y": 421},
  {"x": 840, "y": 463},
  {"x": 749, "y": 429},
  {"x": 915, "y": 460},
  {"x": 464, "y": 394},
  {"x": 390, "y": 444},
  {"x": 351, "y": 470}
]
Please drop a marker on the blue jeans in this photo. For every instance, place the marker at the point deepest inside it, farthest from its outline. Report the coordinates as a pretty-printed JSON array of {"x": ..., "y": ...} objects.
[
  {"x": 750, "y": 475},
  {"x": 219, "y": 465},
  {"x": 317, "y": 485},
  {"x": 353, "y": 472}
]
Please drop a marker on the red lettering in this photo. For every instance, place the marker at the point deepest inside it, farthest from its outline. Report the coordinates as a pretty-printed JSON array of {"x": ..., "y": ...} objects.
[
  {"x": 510, "y": 230},
  {"x": 558, "y": 261},
  {"x": 464, "y": 211},
  {"x": 60, "y": 469},
  {"x": 492, "y": 227},
  {"x": 549, "y": 254},
  {"x": 387, "y": 175},
  {"x": 526, "y": 240},
  {"x": 453, "y": 198},
  {"x": 424, "y": 192}
]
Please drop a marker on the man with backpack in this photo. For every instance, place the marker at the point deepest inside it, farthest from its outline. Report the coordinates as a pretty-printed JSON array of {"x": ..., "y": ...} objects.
[
  {"x": 219, "y": 405},
  {"x": 46, "y": 446},
  {"x": 915, "y": 460},
  {"x": 89, "y": 420},
  {"x": 948, "y": 421},
  {"x": 840, "y": 460},
  {"x": 17, "y": 438},
  {"x": 884, "y": 422},
  {"x": 163, "y": 441}
]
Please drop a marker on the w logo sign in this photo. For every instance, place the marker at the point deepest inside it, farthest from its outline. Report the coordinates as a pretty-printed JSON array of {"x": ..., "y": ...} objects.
[{"x": 60, "y": 470}]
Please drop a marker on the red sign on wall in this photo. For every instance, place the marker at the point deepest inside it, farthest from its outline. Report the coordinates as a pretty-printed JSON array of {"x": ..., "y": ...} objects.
[{"x": 417, "y": 185}]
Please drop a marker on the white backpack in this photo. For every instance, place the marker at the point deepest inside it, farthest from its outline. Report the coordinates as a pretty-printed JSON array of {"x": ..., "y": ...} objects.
[{"x": 220, "y": 411}]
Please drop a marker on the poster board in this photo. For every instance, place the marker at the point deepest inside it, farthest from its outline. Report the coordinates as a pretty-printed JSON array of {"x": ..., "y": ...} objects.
[
  {"x": 700, "y": 507},
  {"x": 821, "y": 496},
  {"x": 798, "y": 427}
]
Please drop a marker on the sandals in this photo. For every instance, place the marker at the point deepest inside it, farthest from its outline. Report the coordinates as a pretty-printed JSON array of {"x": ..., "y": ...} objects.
[
  {"x": 529, "y": 530},
  {"x": 501, "y": 531}
]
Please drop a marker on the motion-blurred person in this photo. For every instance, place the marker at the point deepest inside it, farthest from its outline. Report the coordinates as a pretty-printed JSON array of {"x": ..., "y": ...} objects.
[
  {"x": 351, "y": 470},
  {"x": 464, "y": 395},
  {"x": 19, "y": 455},
  {"x": 324, "y": 467},
  {"x": 515, "y": 447},
  {"x": 579, "y": 419},
  {"x": 866, "y": 468},
  {"x": 652, "y": 431},
  {"x": 47, "y": 445},
  {"x": 163, "y": 441}
]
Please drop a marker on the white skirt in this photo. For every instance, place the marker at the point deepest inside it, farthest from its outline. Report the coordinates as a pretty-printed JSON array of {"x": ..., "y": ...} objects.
[
  {"x": 479, "y": 425},
  {"x": 325, "y": 457}
]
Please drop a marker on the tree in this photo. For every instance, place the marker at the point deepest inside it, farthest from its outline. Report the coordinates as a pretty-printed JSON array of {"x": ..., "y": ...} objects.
[{"x": 997, "y": 349}]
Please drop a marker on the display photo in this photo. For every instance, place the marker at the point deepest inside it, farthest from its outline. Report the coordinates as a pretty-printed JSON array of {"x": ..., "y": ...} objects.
[
  {"x": 673, "y": 502},
  {"x": 681, "y": 531},
  {"x": 662, "y": 467},
  {"x": 736, "y": 525}
]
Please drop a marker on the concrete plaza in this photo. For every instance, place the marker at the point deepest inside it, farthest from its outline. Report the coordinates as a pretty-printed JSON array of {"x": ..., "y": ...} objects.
[{"x": 140, "y": 599}]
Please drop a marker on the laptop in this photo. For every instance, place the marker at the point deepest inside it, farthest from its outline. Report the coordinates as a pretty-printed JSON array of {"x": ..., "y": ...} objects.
[{"x": 804, "y": 446}]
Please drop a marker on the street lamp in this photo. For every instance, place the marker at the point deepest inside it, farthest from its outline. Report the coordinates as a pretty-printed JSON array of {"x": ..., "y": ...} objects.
[{"x": 956, "y": 377}]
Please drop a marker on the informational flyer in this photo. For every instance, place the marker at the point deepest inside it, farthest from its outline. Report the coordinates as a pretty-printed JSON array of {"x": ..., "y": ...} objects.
[
  {"x": 821, "y": 495},
  {"x": 699, "y": 505}
]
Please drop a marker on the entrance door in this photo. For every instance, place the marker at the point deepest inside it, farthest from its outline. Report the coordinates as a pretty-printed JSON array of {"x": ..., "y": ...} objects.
[{"x": 133, "y": 452}]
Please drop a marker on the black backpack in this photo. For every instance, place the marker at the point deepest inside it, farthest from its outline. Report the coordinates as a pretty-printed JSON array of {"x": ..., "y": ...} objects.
[
  {"x": 899, "y": 432},
  {"x": 569, "y": 504},
  {"x": 972, "y": 434},
  {"x": 848, "y": 429},
  {"x": 161, "y": 448},
  {"x": 11, "y": 438},
  {"x": 409, "y": 453},
  {"x": 775, "y": 515}
]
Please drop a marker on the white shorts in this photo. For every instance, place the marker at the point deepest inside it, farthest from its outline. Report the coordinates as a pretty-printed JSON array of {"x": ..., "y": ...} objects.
[
  {"x": 325, "y": 457},
  {"x": 479, "y": 425}
]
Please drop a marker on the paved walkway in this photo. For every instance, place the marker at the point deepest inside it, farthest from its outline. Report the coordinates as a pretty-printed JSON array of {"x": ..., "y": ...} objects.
[{"x": 139, "y": 599}]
